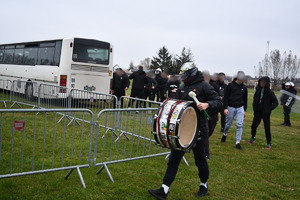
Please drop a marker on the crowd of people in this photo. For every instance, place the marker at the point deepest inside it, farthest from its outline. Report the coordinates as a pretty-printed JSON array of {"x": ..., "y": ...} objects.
[{"x": 215, "y": 97}]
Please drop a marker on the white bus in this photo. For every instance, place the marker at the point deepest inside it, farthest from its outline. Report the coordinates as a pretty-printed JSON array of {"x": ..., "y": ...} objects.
[{"x": 79, "y": 63}]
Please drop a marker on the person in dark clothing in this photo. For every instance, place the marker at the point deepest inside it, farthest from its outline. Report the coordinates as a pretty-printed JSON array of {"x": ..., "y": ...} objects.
[
  {"x": 193, "y": 81},
  {"x": 157, "y": 76},
  {"x": 222, "y": 87},
  {"x": 235, "y": 104},
  {"x": 264, "y": 102},
  {"x": 120, "y": 83},
  {"x": 161, "y": 85},
  {"x": 149, "y": 88},
  {"x": 287, "y": 100},
  {"x": 171, "y": 87},
  {"x": 213, "y": 120},
  {"x": 138, "y": 85}
]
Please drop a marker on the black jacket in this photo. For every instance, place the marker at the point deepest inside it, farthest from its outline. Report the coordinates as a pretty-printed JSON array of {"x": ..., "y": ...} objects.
[
  {"x": 268, "y": 102},
  {"x": 222, "y": 87},
  {"x": 235, "y": 95},
  {"x": 120, "y": 82},
  {"x": 204, "y": 93},
  {"x": 215, "y": 86},
  {"x": 150, "y": 82},
  {"x": 139, "y": 79},
  {"x": 170, "y": 86},
  {"x": 161, "y": 82}
]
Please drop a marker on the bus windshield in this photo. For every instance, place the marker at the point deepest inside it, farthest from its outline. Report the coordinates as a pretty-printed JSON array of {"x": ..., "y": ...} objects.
[{"x": 91, "y": 51}]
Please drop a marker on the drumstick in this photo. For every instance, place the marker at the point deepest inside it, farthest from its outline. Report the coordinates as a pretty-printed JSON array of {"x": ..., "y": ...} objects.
[{"x": 193, "y": 95}]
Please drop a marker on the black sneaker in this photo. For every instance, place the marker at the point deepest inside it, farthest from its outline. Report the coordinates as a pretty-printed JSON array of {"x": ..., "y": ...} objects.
[
  {"x": 159, "y": 193},
  {"x": 223, "y": 138},
  {"x": 202, "y": 191},
  {"x": 283, "y": 124},
  {"x": 238, "y": 146}
]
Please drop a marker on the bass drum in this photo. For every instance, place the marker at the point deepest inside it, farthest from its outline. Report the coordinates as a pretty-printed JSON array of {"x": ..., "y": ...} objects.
[{"x": 176, "y": 124}]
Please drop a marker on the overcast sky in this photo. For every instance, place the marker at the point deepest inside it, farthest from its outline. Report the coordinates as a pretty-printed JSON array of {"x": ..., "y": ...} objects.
[{"x": 223, "y": 35}]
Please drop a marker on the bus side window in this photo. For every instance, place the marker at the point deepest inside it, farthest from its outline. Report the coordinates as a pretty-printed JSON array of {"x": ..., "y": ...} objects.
[
  {"x": 57, "y": 53},
  {"x": 30, "y": 56},
  {"x": 18, "y": 56},
  {"x": 1, "y": 55},
  {"x": 8, "y": 56},
  {"x": 46, "y": 56}
]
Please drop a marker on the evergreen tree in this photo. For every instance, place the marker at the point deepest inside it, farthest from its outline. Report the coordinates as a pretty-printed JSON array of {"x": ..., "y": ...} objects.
[
  {"x": 185, "y": 56},
  {"x": 163, "y": 60}
]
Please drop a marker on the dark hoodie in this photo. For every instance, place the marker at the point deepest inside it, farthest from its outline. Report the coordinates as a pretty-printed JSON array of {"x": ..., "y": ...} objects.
[
  {"x": 139, "y": 79},
  {"x": 235, "y": 95},
  {"x": 267, "y": 102},
  {"x": 204, "y": 92}
]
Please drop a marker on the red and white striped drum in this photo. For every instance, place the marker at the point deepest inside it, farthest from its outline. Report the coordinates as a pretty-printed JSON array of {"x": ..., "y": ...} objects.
[{"x": 176, "y": 124}]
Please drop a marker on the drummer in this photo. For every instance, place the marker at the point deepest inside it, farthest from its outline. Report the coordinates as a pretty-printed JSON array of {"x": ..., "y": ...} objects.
[{"x": 209, "y": 99}]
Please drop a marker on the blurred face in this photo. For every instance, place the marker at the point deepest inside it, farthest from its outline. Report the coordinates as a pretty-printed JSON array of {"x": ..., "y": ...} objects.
[
  {"x": 119, "y": 72},
  {"x": 262, "y": 84},
  {"x": 206, "y": 77},
  {"x": 173, "y": 78},
  {"x": 241, "y": 77},
  {"x": 221, "y": 78},
  {"x": 287, "y": 87},
  {"x": 164, "y": 75}
]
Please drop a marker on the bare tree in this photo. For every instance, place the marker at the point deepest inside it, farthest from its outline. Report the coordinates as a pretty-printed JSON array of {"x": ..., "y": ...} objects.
[
  {"x": 275, "y": 64},
  {"x": 146, "y": 63},
  {"x": 131, "y": 65},
  {"x": 295, "y": 68}
]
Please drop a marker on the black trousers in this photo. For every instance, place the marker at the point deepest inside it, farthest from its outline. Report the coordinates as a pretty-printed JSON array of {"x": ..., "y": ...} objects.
[
  {"x": 161, "y": 95},
  {"x": 150, "y": 94},
  {"x": 200, "y": 160},
  {"x": 212, "y": 123},
  {"x": 287, "y": 111},
  {"x": 118, "y": 93},
  {"x": 256, "y": 121},
  {"x": 136, "y": 93}
]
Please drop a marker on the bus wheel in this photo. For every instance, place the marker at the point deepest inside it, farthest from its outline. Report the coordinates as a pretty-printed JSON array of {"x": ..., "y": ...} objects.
[{"x": 29, "y": 91}]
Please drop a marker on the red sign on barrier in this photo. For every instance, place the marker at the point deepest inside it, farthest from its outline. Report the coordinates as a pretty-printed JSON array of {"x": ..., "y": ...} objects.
[{"x": 19, "y": 125}]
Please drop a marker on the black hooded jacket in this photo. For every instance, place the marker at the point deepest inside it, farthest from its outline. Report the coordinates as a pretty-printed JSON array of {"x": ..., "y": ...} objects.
[
  {"x": 139, "y": 79},
  {"x": 204, "y": 92},
  {"x": 268, "y": 102},
  {"x": 235, "y": 95},
  {"x": 120, "y": 82}
]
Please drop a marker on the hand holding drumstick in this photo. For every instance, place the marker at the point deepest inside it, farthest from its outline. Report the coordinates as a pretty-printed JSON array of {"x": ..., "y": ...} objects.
[{"x": 200, "y": 106}]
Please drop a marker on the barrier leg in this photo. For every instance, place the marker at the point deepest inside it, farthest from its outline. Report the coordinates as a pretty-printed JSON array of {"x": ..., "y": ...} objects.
[
  {"x": 79, "y": 174},
  {"x": 68, "y": 174},
  {"x": 107, "y": 171},
  {"x": 15, "y": 103},
  {"x": 122, "y": 133},
  {"x": 81, "y": 178}
]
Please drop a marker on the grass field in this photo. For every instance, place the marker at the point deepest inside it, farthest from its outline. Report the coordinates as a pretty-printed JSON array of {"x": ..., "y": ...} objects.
[{"x": 252, "y": 173}]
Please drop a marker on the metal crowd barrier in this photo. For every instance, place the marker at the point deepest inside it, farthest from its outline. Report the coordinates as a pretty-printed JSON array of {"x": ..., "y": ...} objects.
[
  {"x": 5, "y": 88},
  {"x": 91, "y": 100},
  {"x": 130, "y": 102},
  {"x": 24, "y": 93},
  {"x": 38, "y": 144},
  {"x": 52, "y": 96},
  {"x": 136, "y": 127}
]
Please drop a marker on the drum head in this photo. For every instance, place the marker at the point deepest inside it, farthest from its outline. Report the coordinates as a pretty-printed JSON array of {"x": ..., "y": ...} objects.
[{"x": 188, "y": 126}]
